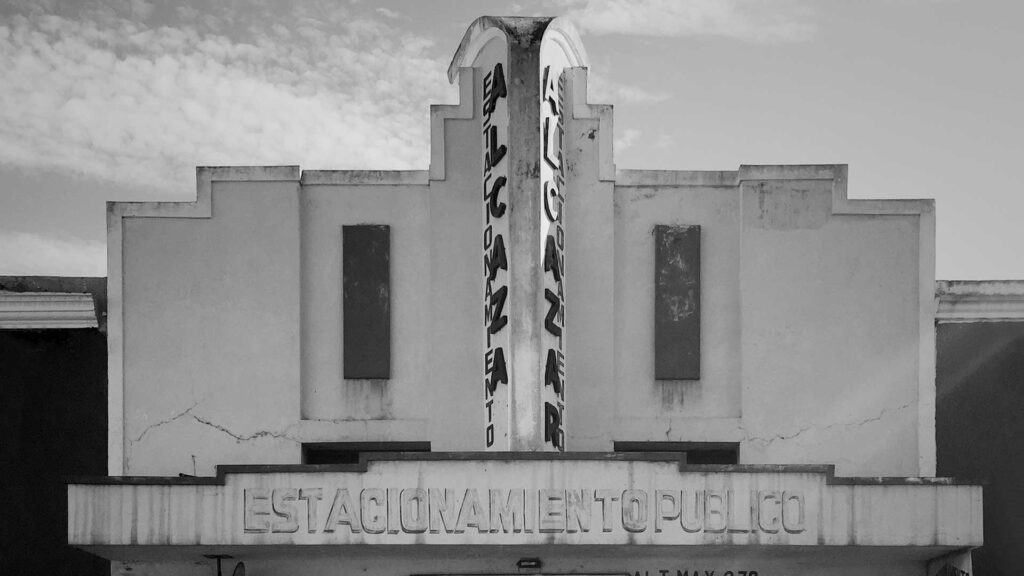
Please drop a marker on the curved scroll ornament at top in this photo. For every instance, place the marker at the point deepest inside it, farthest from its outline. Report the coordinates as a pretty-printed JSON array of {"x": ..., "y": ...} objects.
[{"x": 522, "y": 31}]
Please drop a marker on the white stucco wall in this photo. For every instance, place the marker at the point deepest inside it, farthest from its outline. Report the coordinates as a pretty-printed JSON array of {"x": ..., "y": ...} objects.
[
  {"x": 211, "y": 326},
  {"x": 810, "y": 320},
  {"x": 829, "y": 331}
]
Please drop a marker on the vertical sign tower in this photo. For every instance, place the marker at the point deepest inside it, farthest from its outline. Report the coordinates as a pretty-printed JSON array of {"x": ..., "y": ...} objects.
[{"x": 519, "y": 86}]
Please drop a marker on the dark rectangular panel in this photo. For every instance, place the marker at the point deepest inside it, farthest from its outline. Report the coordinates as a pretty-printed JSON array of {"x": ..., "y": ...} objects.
[
  {"x": 719, "y": 453},
  {"x": 366, "y": 295},
  {"x": 53, "y": 421},
  {"x": 677, "y": 302},
  {"x": 350, "y": 452}
]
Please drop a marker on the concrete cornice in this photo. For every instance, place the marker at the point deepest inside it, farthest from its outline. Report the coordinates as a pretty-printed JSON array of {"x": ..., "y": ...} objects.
[
  {"x": 46, "y": 310},
  {"x": 202, "y": 207},
  {"x": 364, "y": 178},
  {"x": 980, "y": 300},
  {"x": 442, "y": 113},
  {"x": 366, "y": 459},
  {"x": 576, "y": 95},
  {"x": 632, "y": 177},
  {"x": 837, "y": 173}
]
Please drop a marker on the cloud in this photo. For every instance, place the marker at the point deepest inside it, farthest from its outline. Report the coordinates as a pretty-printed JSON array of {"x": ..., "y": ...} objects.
[
  {"x": 108, "y": 93},
  {"x": 388, "y": 13},
  {"x": 604, "y": 91},
  {"x": 748, "y": 20},
  {"x": 27, "y": 254},
  {"x": 664, "y": 141},
  {"x": 629, "y": 137}
]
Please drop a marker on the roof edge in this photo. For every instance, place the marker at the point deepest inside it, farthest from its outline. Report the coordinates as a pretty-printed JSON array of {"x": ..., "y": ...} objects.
[{"x": 828, "y": 470}]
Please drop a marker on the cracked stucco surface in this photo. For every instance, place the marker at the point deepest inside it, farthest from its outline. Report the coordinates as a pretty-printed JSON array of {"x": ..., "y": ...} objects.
[
  {"x": 191, "y": 417},
  {"x": 207, "y": 422},
  {"x": 767, "y": 440}
]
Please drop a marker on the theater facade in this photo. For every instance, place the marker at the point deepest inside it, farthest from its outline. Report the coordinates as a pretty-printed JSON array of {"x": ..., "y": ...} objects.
[{"x": 523, "y": 360}]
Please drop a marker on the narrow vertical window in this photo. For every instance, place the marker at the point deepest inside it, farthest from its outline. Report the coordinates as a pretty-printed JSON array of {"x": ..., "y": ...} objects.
[
  {"x": 366, "y": 306},
  {"x": 677, "y": 302}
]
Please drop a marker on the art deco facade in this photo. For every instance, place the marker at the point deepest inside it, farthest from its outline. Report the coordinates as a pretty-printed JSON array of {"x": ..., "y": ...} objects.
[{"x": 524, "y": 360}]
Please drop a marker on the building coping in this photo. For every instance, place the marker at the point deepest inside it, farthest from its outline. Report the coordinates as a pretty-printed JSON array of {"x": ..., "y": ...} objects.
[
  {"x": 52, "y": 302},
  {"x": 631, "y": 177},
  {"x": 219, "y": 479},
  {"x": 364, "y": 177},
  {"x": 979, "y": 301},
  {"x": 746, "y": 172}
]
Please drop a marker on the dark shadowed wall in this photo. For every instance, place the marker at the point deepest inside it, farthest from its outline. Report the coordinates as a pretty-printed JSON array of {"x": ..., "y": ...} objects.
[
  {"x": 53, "y": 424},
  {"x": 980, "y": 429}
]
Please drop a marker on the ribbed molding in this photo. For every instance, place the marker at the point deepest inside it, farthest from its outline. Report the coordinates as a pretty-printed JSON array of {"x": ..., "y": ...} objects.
[{"x": 39, "y": 310}]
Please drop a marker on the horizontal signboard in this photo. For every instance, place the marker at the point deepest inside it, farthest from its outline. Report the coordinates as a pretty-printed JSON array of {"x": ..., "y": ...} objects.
[{"x": 507, "y": 501}]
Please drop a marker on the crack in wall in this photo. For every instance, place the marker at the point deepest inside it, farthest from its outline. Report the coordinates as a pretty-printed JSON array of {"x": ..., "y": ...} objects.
[
  {"x": 765, "y": 441},
  {"x": 181, "y": 414},
  {"x": 238, "y": 437},
  {"x": 243, "y": 438}
]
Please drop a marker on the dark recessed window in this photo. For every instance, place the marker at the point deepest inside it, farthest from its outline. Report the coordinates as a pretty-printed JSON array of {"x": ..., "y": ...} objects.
[
  {"x": 695, "y": 452},
  {"x": 348, "y": 452},
  {"x": 366, "y": 301},
  {"x": 677, "y": 302}
]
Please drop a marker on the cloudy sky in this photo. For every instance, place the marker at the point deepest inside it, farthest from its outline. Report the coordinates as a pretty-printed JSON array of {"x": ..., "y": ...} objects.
[{"x": 121, "y": 99}]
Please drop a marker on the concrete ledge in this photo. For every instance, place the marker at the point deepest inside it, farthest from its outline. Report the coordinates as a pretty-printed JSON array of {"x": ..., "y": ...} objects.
[
  {"x": 250, "y": 173},
  {"x": 838, "y": 173},
  {"x": 788, "y": 171},
  {"x": 364, "y": 177},
  {"x": 46, "y": 310},
  {"x": 202, "y": 207},
  {"x": 725, "y": 178},
  {"x": 367, "y": 458},
  {"x": 980, "y": 300},
  {"x": 96, "y": 286}
]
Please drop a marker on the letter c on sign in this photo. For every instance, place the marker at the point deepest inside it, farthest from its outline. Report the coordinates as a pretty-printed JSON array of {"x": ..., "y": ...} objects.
[
  {"x": 552, "y": 207},
  {"x": 768, "y": 516},
  {"x": 373, "y": 507}
]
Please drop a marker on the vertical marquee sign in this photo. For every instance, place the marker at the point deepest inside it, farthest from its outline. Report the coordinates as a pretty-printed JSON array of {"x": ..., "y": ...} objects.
[
  {"x": 520, "y": 88},
  {"x": 552, "y": 236},
  {"x": 496, "y": 229},
  {"x": 559, "y": 50}
]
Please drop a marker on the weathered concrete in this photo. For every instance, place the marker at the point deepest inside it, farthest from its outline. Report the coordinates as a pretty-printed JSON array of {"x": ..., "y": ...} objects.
[
  {"x": 211, "y": 331},
  {"x": 41, "y": 310},
  {"x": 483, "y": 500},
  {"x": 606, "y": 561},
  {"x": 979, "y": 300},
  {"x": 96, "y": 287}
]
